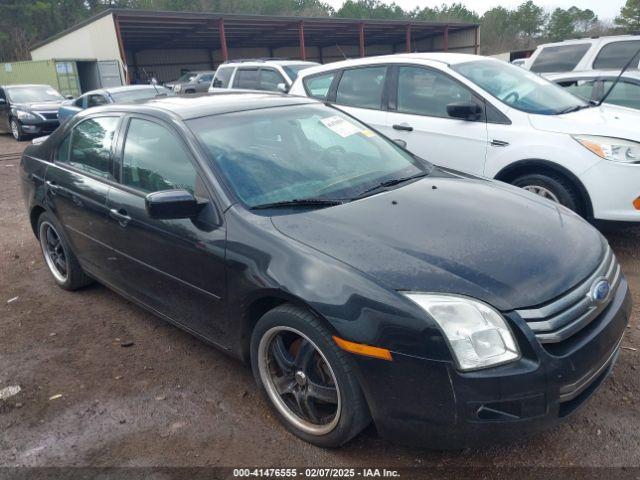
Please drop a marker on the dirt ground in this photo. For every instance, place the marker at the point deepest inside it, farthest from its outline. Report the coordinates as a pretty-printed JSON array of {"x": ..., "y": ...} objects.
[{"x": 170, "y": 400}]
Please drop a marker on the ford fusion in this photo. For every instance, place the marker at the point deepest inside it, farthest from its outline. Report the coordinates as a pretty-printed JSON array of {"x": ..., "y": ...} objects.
[{"x": 361, "y": 283}]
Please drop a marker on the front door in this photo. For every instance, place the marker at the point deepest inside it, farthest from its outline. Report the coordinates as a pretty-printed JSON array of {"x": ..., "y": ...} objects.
[
  {"x": 418, "y": 115},
  {"x": 176, "y": 267},
  {"x": 77, "y": 184}
]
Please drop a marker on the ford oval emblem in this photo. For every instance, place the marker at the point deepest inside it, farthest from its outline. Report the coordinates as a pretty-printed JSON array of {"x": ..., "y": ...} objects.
[{"x": 600, "y": 290}]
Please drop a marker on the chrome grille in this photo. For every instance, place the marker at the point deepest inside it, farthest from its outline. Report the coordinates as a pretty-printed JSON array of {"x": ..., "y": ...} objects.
[{"x": 566, "y": 316}]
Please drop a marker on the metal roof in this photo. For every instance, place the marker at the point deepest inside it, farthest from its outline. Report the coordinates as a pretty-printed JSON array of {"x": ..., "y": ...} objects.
[{"x": 142, "y": 29}]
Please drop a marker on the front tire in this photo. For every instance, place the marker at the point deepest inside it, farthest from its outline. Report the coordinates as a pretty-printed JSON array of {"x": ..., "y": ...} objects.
[
  {"x": 60, "y": 260},
  {"x": 552, "y": 187},
  {"x": 16, "y": 130},
  {"x": 307, "y": 380}
]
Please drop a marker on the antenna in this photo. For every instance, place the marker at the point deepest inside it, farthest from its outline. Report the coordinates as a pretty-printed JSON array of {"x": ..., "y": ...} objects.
[
  {"x": 340, "y": 50},
  {"x": 615, "y": 82},
  {"x": 150, "y": 80}
]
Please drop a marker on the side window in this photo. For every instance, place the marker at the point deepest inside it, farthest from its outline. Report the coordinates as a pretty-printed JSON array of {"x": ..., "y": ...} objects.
[
  {"x": 62, "y": 155},
  {"x": 617, "y": 54},
  {"x": 154, "y": 159},
  {"x": 318, "y": 86},
  {"x": 581, "y": 88},
  {"x": 222, "y": 77},
  {"x": 563, "y": 58},
  {"x": 2, "y": 95},
  {"x": 91, "y": 143},
  {"x": 625, "y": 94},
  {"x": 246, "y": 78},
  {"x": 269, "y": 79},
  {"x": 362, "y": 87},
  {"x": 428, "y": 92},
  {"x": 79, "y": 101},
  {"x": 205, "y": 78},
  {"x": 96, "y": 101}
]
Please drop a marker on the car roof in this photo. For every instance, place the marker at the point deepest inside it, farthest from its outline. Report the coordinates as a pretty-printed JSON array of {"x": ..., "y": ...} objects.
[
  {"x": 439, "y": 57},
  {"x": 206, "y": 104},
  {"x": 27, "y": 85},
  {"x": 592, "y": 41},
  {"x": 252, "y": 63},
  {"x": 634, "y": 74},
  {"x": 123, "y": 88}
]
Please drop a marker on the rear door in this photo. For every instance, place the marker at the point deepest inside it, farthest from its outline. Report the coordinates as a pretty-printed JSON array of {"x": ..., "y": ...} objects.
[
  {"x": 360, "y": 91},
  {"x": 246, "y": 78},
  {"x": 176, "y": 267},
  {"x": 77, "y": 184},
  {"x": 418, "y": 101}
]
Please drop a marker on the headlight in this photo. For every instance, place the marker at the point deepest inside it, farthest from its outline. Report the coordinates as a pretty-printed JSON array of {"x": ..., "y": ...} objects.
[
  {"x": 23, "y": 115},
  {"x": 177, "y": 88},
  {"x": 478, "y": 335},
  {"x": 610, "y": 148}
]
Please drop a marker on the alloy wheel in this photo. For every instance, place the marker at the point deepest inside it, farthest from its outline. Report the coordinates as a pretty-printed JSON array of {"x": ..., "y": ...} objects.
[
  {"x": 542, "y": 192},
  {"x": 15, "y": 131},
  {"x": 299, "y": 380},
  {"x": 54, "y": 252}
]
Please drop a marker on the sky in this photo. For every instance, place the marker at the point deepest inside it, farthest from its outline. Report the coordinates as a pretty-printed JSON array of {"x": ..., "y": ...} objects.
[{"x": 604, "y": 9}]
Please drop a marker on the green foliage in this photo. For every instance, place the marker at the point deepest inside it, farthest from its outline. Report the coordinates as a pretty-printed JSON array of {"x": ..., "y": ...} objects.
[{"x": 629, "y": 19}]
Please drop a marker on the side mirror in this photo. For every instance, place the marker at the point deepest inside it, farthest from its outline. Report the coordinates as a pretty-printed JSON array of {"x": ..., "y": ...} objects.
[
  {"x": 464, "y": 110},
  {"x": 69, "y": 97},
  {"x": 282, "y": 87},
  {"x": 400, "y": 143},
  {"x": 171, "y": 205}
]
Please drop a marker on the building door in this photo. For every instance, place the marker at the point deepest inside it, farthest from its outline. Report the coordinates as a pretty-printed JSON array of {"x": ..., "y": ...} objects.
[{"x": 109, "y": 72}]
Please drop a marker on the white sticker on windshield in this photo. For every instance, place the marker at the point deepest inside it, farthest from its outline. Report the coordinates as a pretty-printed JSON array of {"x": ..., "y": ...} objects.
[{"x": 340, "y": 126}]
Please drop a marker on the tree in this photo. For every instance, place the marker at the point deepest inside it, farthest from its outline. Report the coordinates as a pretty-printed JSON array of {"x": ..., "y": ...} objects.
[
  {"x": 498, "y": 31},
  {"x": 370, "y": 9},
  {"x": 455, "y": 12},
  {"x": 561, "y": 25},
  {"x": 629, "y": 18},
  {"x": 529, "y": 19},
  {"x": 583, "y": 20}
]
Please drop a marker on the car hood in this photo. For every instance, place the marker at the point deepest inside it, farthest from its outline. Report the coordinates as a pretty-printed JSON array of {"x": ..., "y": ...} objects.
[
  {"x": 39, "y": 106},
  {"x": 606, "y": 120},
  {"x": 472, "y": 237}
]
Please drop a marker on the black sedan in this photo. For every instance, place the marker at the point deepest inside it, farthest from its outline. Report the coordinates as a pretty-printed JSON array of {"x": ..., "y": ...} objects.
[
  {"x": 29, "y": 110},
  {"x": 360, "y": 282}
]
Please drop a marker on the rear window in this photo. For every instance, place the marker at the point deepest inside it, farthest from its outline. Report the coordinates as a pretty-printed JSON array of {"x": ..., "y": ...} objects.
[
  {"x": 617, "y": 54},
  {"x": 246, "y": 78},
  {"x": 362, "y": 87},
  {"x": 563, "y": 58}
]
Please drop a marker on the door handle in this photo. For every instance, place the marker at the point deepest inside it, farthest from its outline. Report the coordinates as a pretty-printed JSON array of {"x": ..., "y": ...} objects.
[
  {"x": 405, "y": 127},
  {"x": 121, "y": 216},
  {"x": 52, "y": 187}
]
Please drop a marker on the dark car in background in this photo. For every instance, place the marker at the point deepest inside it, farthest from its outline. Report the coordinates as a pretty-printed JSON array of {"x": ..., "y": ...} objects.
[
  {"x": 29, "y": 110},
  {"x": 359, "y": 281},
  {"x": 106, "y": 96},
  {"x": 192, "y": 82}
]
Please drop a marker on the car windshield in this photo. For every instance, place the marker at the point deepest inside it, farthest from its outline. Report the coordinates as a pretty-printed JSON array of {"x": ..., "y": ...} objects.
[
  {"x": 303, "y": 152},
  {"x": 519, "y": 88},
  {"x": 187, "y": 77},
  {"x": 31, "y": 94},
  {"x": 293, "y": 70},
  {"x": 140, "y": 94}
]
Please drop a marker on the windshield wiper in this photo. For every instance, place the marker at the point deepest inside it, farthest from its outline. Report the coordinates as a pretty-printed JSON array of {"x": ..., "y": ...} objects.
[
  {"x": 575, "y": 108},
  {"x": 303, "y": 202},
  {"x": 389, "y": 183}
]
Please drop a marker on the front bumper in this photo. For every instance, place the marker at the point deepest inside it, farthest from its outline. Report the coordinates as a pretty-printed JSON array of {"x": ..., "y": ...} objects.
[
  {"x": 430, "y": 403},
  {"x": 613, "y": 187},
  {"x": 40, "y": 128}
]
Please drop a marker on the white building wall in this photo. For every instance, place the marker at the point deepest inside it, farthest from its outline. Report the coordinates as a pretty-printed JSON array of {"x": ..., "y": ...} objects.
[{"x": 96, "y": 40}]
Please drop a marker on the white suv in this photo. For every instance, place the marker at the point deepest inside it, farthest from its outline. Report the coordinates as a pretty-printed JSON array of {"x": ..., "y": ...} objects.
[
  {"x": 272, "y": 75},
  {"x": 585, "y": 54},
  {"x": 487, "y": 117}
]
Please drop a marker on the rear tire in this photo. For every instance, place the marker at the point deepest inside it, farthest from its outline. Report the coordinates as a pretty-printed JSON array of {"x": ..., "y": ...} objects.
[
  {"x": 307, "y": 380},
  {"x": 61, "y": 261},
  {"x": 552, "y": 187},
  {"x": 16, "y": 130}
]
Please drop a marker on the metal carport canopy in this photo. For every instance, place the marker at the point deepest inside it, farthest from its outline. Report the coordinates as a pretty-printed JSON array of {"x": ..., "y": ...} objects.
[{"x": 142, "y": 29}]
